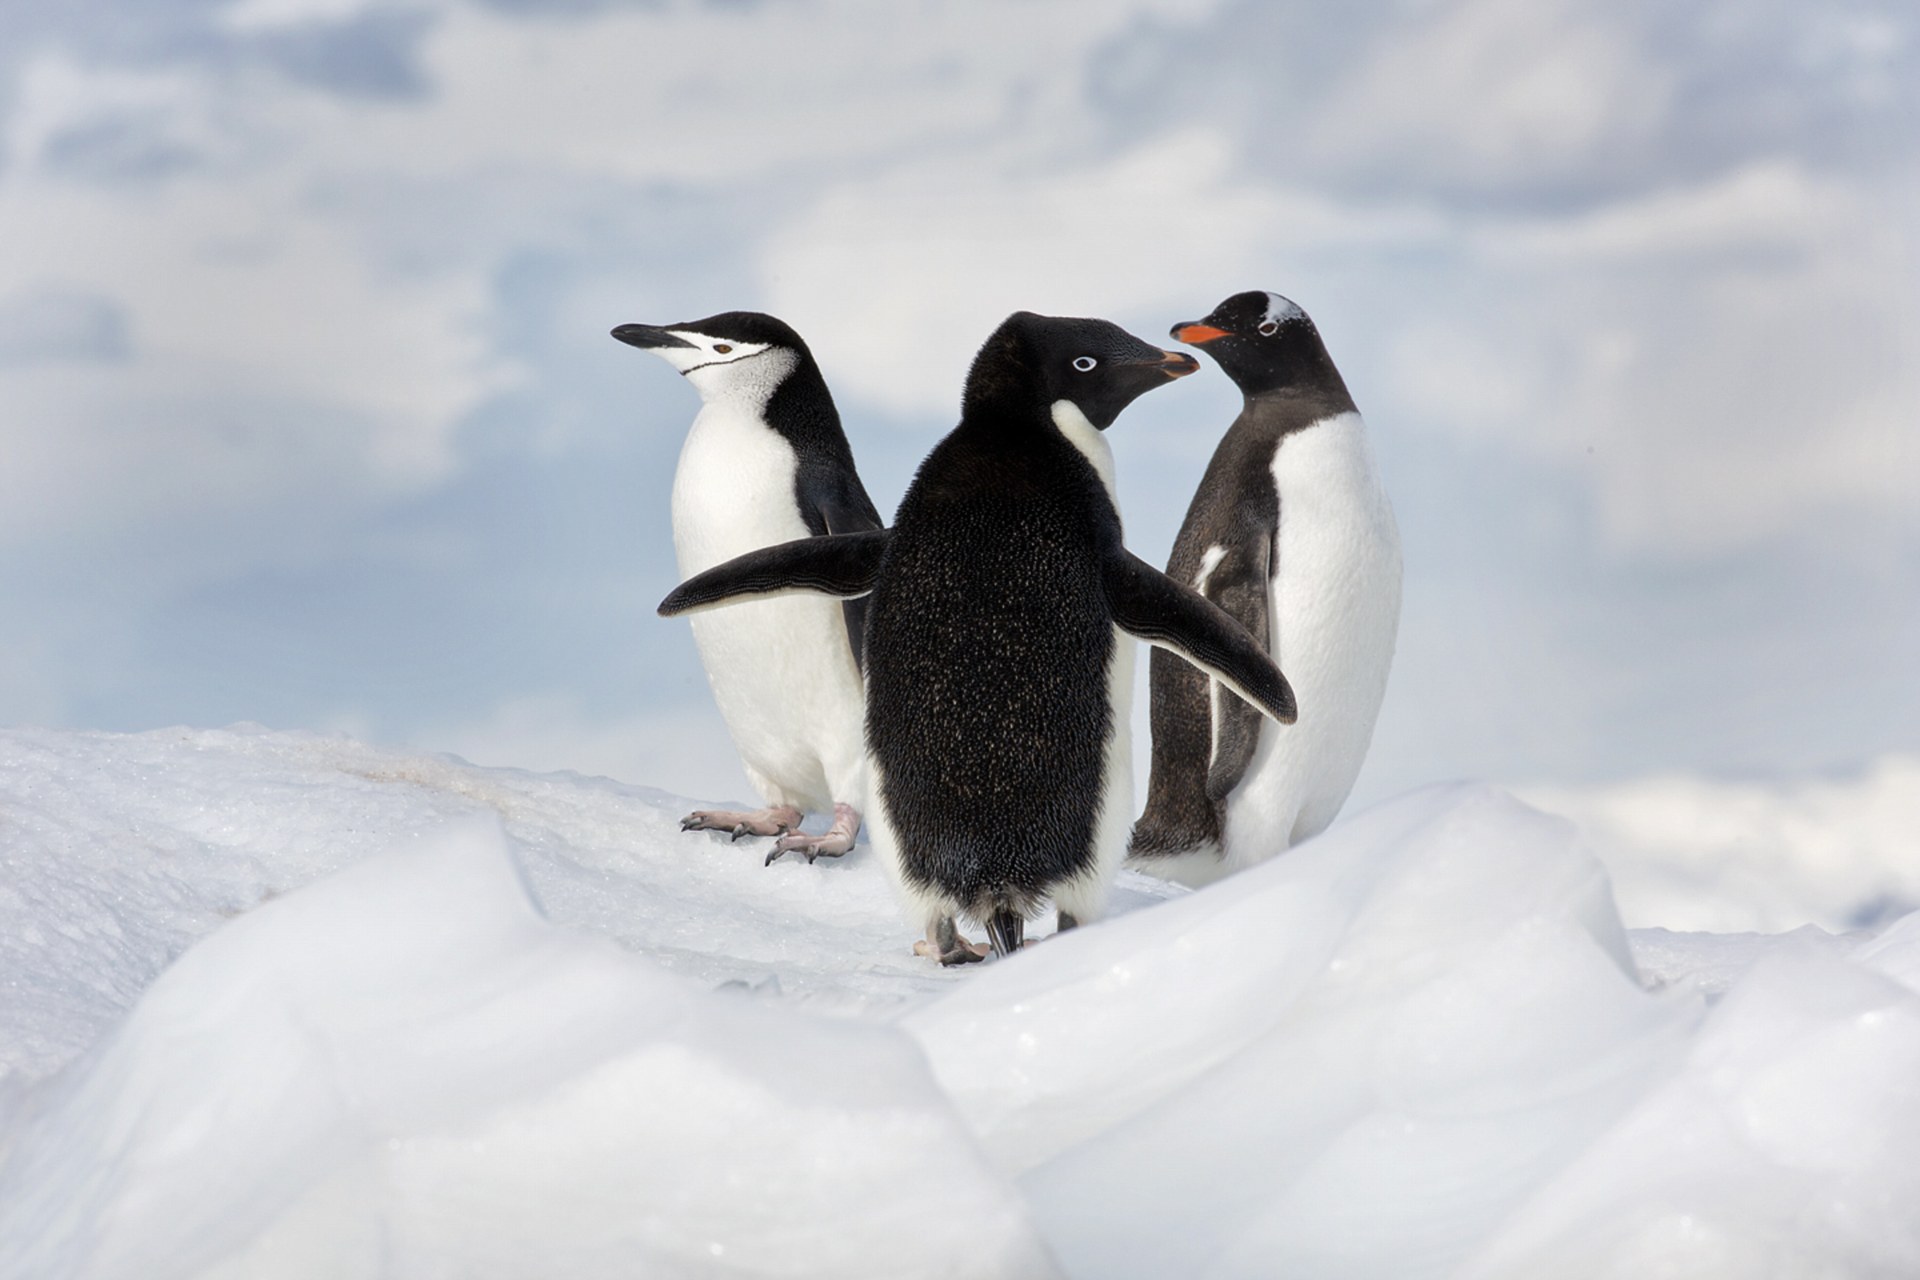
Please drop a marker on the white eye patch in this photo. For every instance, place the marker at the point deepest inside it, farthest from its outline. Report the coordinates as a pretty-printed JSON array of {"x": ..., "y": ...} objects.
[{"x": 703, "y": 352}]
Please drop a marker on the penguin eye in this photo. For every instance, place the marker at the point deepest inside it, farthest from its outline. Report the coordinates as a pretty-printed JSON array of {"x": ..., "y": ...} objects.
[
  {"x": 1084, "y": 363},
  {"x": 1269, "y": 327},
  {"x": 723, "y": 347}
]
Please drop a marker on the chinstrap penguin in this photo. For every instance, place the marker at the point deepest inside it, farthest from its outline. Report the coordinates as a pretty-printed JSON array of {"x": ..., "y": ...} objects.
[
  {"x": 766, "y": 462},
  {"x": 999, "y": 763},
  {"x": 1291, "y": 533}
]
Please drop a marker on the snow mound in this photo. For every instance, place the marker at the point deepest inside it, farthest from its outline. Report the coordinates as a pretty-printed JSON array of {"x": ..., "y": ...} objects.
[
  {"x": 122, "y": 849},
  {"x": 286, "y": 1006},
  {"x": 404, "y": 1071}
]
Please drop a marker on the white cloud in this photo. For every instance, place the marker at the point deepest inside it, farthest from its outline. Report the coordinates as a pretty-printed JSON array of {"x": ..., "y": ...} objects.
[
  {"x": 309, "y": 290},
  {"x": 1774, "y": 205},
  {"x": 905, "y": 273},
  {"x": 697, "y": 93},
  {"x": 252, "y": 16},
  {"x": 1487, "y": 91},
  {"x": 263, "y": 345},
  {"x": 1731, "y": 362}
]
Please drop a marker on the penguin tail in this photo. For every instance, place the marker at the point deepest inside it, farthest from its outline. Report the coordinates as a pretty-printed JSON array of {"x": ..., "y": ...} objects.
[{"x": 1005, "y": 928}]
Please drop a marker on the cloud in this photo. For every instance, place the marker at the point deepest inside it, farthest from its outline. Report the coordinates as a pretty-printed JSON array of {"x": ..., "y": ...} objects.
[
  {"x": 1483, "y": 93},
  {"x": 910, "y": 270},
  {"x": 1736, "y": 358},
  {"x": 51, "y": 324},
  {"x": 702, "y": 94},
  {"x": 373, "y": 54},
  {"x": 268, "y": 351},
  {"x": 301, "y": 277}
]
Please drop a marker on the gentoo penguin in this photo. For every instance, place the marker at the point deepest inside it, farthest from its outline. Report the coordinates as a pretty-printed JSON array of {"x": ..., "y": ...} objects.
[
  {"x": 766, "y": 462},
  {"x": 1291, "y": 533},
  {"x": 997, "y": 684}
]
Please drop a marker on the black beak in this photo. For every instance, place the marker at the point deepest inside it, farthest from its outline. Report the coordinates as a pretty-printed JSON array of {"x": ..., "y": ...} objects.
[
  {"x": 1177, "y": 364},
  {"x": 648, "y": 336}
]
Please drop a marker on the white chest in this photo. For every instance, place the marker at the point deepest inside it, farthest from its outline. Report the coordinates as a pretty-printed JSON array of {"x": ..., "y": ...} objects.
[
  {"x": 1090, "y": 440},
  {"x": 1334, "y": 606},
  {"x": 733, "y": 490},
  {"x": 781, "y": 670},
  {"x": 1338, "y": 561}
]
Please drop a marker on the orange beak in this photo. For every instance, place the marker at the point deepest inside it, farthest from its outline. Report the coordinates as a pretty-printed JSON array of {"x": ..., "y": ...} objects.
[{"x": 1195, "y": 334}]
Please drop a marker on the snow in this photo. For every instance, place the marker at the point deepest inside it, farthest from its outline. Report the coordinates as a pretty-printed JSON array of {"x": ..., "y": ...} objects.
[
  {"x": 283, "y": 1005},
  {"x": 1744, "y": 856}
]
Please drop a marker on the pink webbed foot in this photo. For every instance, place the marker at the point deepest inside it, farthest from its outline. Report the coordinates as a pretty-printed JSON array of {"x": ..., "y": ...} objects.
[
  {"x": 831, "y": 843},
  {"x": 945, "y": 943},
  {"x": 756, "y": 822}
]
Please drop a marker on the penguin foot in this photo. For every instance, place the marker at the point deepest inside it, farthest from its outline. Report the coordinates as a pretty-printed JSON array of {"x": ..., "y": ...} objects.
[
  {"x": 757, "y": 822},
  {"x": 965, "y": 953},
  {"x": 831, "y": 843},
  {"x": 945, "y": 943}
]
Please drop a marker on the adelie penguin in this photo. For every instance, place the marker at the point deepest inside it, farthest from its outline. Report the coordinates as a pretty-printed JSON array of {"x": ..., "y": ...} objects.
[
  {"x": 765, "y": 462},
  {"x": 1291, "y": 533},
  {"x": 998, "y": 677}
]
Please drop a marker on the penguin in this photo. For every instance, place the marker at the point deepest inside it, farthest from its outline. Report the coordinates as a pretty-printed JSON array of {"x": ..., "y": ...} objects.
[
  {"x": 1002, "y": 605},
  {"x": 765, "y": 462},
  {"x": 1292, "y": 534}
]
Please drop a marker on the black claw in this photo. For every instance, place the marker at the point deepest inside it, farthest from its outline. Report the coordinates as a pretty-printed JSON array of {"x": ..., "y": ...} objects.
[
  {"x": 689, "y": 823},
  {"x": 738, "y": 831}
]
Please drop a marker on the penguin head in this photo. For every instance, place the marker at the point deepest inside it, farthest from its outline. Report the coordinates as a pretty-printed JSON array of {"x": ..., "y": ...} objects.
[
  {"x": 732, "y": 354},
  {"x": 1264, "y": 342},
  {"x": 1033, "y": 362}
]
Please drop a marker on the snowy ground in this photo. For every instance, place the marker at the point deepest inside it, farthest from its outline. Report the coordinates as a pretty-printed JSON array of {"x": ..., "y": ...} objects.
[{"x": 285, "y": 1005}]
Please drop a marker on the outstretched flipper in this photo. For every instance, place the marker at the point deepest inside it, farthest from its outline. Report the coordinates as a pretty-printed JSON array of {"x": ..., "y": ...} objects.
[
  {"x": 1148, "y": 604},
  {"x": 842, "y": 565}
]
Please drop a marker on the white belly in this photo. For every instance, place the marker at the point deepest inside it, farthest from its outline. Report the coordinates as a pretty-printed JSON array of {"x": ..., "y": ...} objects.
[
  {"x": 781, "y": 670},
  {"x": 1335, "y": 610}
]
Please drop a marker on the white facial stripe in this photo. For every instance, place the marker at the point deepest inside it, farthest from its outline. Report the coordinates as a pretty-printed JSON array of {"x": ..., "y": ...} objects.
[
  {"x": 701, "y": 351},
  {"x": 1280, "y": 310}
]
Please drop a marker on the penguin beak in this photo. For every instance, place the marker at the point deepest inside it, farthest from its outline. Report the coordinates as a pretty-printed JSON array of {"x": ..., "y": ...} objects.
[
  {"x": 648, "y": 337},
  {"x": 1196, "y": 332},
  {"x": 1177, "y": 364}
]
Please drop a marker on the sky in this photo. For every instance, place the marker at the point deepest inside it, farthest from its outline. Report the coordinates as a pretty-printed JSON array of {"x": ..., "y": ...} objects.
[{"x": 311, "y": 418}]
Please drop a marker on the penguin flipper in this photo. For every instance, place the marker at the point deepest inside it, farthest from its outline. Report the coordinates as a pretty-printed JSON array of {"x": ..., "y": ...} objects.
[
  {"x": 832, "y": 500},
  {"x": 851, "y": 511},
  {"x": 1148, "y": 604},
  {"x": 841, "y": 565},
  {"x": 1239, "y": 584}
]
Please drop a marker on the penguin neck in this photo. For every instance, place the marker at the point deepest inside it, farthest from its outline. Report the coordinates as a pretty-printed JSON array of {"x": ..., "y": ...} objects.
[
  {"x": 745, "y": 386},
  {"x": 1090, "y": 440},
  {"x": 1299, "y": 369},
  {"x": 1297, "y": 394}
]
